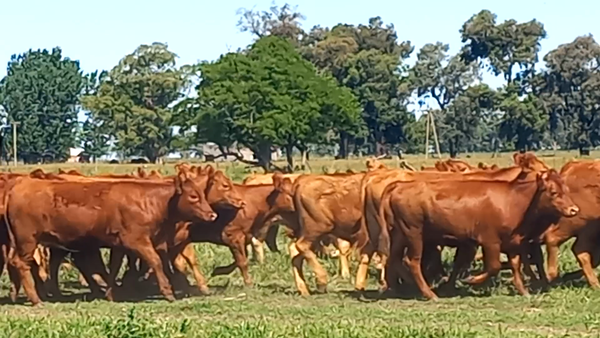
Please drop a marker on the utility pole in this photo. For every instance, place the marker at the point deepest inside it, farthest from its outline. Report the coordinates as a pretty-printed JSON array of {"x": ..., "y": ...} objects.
[{"x": 15, "y": 124}]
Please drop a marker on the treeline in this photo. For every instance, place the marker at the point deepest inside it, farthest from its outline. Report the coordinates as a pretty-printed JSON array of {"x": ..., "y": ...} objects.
[{"x": 337, "y": 90}]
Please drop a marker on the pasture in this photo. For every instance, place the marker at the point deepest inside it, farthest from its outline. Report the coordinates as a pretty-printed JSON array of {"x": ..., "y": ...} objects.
[{"x": 272, "y": 307}]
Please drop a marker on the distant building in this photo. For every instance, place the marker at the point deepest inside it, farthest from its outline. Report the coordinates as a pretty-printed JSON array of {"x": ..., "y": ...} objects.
[
  {"x": 211, "y": 152},
  {"x": 74, "y": 155}
]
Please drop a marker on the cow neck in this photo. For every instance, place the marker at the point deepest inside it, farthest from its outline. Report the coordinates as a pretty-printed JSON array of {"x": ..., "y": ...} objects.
[
  {"x": 258, "y": 197},
  {"x": 528, "y": 191}
]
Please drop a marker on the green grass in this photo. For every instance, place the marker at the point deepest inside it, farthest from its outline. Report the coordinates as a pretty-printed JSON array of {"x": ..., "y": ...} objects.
[{"x": 271, "y": 308}]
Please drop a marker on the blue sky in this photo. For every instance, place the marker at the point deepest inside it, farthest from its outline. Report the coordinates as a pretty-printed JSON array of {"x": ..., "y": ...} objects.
[{"x": 99, "y": 33}]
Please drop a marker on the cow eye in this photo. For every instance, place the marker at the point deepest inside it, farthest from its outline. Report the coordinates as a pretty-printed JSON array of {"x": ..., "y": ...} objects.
[
  {"x": 194, "y": 197},
  {"x": 226, "y": 186}
]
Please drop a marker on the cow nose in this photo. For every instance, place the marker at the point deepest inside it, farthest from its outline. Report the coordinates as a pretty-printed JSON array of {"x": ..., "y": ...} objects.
[
  {"x": 574, "y": 210},
  {"x": 212, "y": 216}
]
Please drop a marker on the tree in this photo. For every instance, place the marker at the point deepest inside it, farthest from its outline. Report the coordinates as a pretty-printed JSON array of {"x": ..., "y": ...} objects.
[
  {"x": 443, "y": 78},
  {"x": 523, "y": 121},
  {"x": 41, "y": 91},
  {"x": 368, "y": 59},
  {"x": 504, "y": 45},
  {"x": 268, "y": 96},
  {"x": 570, "y": 91},
  {"x": 135, "y": 101},
  {"x": 283, "y": 22}
]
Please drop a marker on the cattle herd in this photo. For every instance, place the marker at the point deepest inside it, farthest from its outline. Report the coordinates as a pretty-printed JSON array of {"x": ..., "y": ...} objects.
[{"x": 403, "y": 217}]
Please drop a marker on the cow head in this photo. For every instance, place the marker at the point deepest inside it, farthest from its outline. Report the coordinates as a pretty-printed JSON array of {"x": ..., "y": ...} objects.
[
  {"x": 192, "y": 201},
  {"x": 530, "y": 162},
  {"x": 282, "y": 197},
  {"x": 374, "y": 164},
  {"x": 220, "y": 189},
  {"x": 555, "y": 194}
]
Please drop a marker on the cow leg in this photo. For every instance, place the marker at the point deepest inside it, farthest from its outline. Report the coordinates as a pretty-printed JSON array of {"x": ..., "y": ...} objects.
[
  {"x": 147, "y": 253},
  {"x": 189, "y": 255},
  {"x": 15, "y": 279},
  {"x": 237, "y": 244},
  {"x": 538, "y": 258},
  {"x": 582, "y": 248},
  {"x": 363, "y": 267},
  {"x": 465, "y": 254},
  {"x": 271, "y": 237},
  {"x": 92, "y": 269},
  {"x": 297, "y": 262},
  {"x": 552, "y": 250},
  {"x": 344, "y": 247},
  {"x": 56, "y": 258},
  {"x": 413, "y": 260},
  {"x": 224, "y": 270},
  {"x": 23, "y": 260},
  {"x": 491, "y": 255},
  {"x": 114, "y": 265},
  {"x": 515, "y": 262},
  {"x": 258, "y": 250},
  {"x": 524, "y": 258}
]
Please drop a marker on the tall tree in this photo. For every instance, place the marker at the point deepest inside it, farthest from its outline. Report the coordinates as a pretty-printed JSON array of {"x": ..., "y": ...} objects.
[
  {"x": 369, "y": 60},
  {"x": 135, "y": 100},
  {"x": 269, "y": 96},
  {"x": 94, "y": 133},
  {"x": 571, "y": 91},
  {"x": 41, "y": 91},
  {"x": 443, "y": 78},
  {"x": 283, "y": 22},
  {"x": 502, "y": 48}
]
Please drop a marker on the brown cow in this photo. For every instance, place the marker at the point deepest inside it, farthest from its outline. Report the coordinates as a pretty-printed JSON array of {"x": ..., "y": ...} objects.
[
  {"x": 90, "y": 214},
  {"x": 372, "y": 187},
  {"x": 499, "y": 215},
  {"x": 581, "y": 178},
  {"x": 234, "y": 229},
  {"x": 325, "y": 205},
  {"x": 334, "y": 247}
]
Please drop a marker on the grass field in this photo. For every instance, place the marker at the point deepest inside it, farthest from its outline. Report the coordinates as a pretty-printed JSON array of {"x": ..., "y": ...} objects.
[{"x": 271, "y": 308}]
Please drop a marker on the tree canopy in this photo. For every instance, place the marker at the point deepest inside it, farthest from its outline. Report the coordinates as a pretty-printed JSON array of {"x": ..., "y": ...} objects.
[
  {"x": 41, "y": 92},
  {"x": 346, "y": 89}
]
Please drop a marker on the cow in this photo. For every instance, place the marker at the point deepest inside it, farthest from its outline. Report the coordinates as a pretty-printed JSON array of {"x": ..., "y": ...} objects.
[
  {"x": 324, "y": 205},
  {"x": 331, "y": 246},
  {"x": 581, "y": 178},
  {"x": 233, "y": 228},
  {"x": 452, "y": 165},
  {"x": 83, "y": 215},
  {"x": 498, "y": 215},
  {"x": 372, "y": 187},
  {"x": 55, "y": 256}
]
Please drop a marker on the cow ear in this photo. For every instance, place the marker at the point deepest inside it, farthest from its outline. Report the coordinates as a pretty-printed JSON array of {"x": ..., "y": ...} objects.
[
  {"x": 181, "y": 178},
  {"x": 209, "y": 170},
  {"x": 277, "y": 180},
  {"x": 37, "y": 173}
]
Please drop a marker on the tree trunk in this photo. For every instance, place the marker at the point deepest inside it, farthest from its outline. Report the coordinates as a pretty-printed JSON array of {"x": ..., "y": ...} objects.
[
  {"x": 289, "y": 150},
  {"x": 379, "y": 146},
  {"x": 452, "y": 148},
  {"x": 263, "y": 155},
  {"x": 343, "y": 153}
]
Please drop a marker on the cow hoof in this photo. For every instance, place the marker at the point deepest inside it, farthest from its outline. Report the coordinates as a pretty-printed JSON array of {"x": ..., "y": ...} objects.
[
  {"x": 170, "y": 298},
  {"x": 204, "y": 291},
  {"x": 321, "y": 289}
]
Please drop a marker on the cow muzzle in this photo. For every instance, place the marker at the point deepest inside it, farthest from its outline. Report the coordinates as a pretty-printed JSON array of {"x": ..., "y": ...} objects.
[
  {"x": 212, "y": 216},
  {"x": 573, "y": 210}
]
